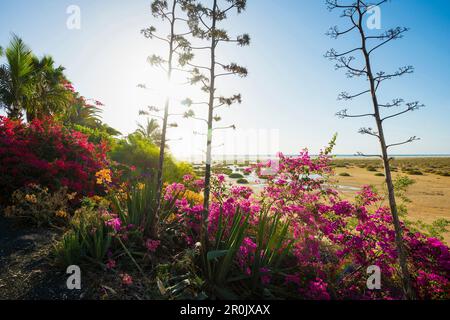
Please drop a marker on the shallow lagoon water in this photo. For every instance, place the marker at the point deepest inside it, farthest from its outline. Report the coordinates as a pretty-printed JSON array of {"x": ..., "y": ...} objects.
[{"x": 258, "y": 184}]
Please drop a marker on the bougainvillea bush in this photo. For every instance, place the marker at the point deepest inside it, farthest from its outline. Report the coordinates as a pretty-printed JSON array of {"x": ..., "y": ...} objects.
[
  {"x": 297, "y": 239},
  {"x": 45, "y": 153}
]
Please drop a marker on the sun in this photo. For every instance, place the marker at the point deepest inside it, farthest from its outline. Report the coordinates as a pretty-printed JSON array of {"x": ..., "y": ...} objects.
[{"x": 167, "y": 88}]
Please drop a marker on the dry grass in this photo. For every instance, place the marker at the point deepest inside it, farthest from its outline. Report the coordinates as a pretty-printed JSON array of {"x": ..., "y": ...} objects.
[{"x": 430, "y": 195}]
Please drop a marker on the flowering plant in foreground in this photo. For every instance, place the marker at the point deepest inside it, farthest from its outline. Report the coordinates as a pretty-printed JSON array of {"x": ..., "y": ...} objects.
[{"x": 333, "y": 241}]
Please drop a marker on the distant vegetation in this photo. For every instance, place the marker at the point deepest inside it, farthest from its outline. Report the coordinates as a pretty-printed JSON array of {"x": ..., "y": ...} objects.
[
  {"x": 412, "y": 166},
  {"x": 236, "y": 176},
  {"x": 345, "y": 174}
]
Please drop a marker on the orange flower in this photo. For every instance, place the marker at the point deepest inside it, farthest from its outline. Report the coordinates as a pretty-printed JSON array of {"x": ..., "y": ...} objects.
[
  {"x": 61, "y": 214},
  {"x": 103, "y": 176},
  {"x": 31, "y": 198}
]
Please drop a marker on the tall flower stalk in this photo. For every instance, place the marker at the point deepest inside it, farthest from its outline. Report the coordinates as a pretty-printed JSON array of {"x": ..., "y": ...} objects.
[
  {"x": 204, "y": 23},
  {"x": 356, "y": 12},
  {"x": 177, "y": 45}
]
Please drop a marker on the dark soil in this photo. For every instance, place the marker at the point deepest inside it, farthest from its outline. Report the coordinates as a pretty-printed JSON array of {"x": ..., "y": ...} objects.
[{"x": 27, "y": 271}]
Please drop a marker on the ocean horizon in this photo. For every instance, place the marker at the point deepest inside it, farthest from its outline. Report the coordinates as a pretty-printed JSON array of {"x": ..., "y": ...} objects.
[{"x": 261, "y": 157}]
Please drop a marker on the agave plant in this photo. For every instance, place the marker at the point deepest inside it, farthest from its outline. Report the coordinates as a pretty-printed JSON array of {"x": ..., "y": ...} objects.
[
  {"x": 140, "y": 206},
  {"x": 89, "y": 239},
  {"x": 273, "y": 246},
  {"x": 225, "y": 276}
]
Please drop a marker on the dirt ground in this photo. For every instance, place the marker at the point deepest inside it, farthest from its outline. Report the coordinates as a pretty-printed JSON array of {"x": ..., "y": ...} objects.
[
  {"x": 26, "y": 269},
  {"x": 430, "y": 195}
]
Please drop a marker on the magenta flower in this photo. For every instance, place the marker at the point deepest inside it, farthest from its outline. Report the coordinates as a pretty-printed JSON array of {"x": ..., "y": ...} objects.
[
  {"x": 152, "y": 245},
  {"x": 330, "y": 239},
  {"x": 115, "y": 224},
  {"x": 126, "y": 279},
  {"x": 111, "y": 264},
  {"x": 173, "y": 191}
]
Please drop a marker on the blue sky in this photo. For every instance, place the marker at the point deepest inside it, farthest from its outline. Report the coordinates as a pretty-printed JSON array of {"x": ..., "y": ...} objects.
[{"x": 291, "y": 87}]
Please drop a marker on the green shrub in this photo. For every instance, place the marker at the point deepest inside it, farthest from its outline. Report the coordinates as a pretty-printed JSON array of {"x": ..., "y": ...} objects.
[
  {"x": 414, "y": 172},
  {"x": 236, "y": 176},
  {"x": 379, "y": 174},
  {"x": 141, "y": 153},
  {"x": 371, "y": 169},
  {"x": 344, "y": 174},
  {"x": 222, "y": 170},
  {"x": 243, "y": 181},
  {"x": 89, "y": 238},
  {"x": 95, "y": 235},
  {"x": 437, "y": 229},
  {"x": 69, "y": 250},
  {"x": 95, "y": 136},
  {"x": 401, "y": 183},
  {"x": 139, "y": 206}
]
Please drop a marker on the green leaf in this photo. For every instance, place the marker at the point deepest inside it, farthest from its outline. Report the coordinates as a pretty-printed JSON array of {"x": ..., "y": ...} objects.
[
  {"x": 212, "y": 255},
  {"x": 225, "y": 293}
]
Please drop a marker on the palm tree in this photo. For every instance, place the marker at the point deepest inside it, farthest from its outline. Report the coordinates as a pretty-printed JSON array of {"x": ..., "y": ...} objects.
[
  {"x": 81, "y": 113},
  {"x": 109, "y": 130},
  {"x": 16, "y": 77},
  {"x": 31, "y": 85},
  {"x": 150, "y": 131}
]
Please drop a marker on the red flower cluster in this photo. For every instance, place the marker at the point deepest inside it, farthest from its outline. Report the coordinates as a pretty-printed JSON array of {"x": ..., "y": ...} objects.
[{"x": 44, "y": 152}]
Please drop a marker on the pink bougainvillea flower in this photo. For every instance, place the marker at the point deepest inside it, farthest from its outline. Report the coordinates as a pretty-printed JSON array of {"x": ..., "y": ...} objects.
[
  {"x": 173, "y": 191},
  {"x": 126, "y": 279},
  {"x": 111, "y": 264},
  {"x": 115, "y": 224},
  {"x": 332, "y": 241},
  {"x": 152, "y": 245}
]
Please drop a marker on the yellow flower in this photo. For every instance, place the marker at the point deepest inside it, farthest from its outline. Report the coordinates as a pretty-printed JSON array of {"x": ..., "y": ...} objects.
[
  {"x": 61, "y": 214},
  {"x": 96, "y": 198},
  {"x": 194, "y": 197},
  {"x": 171, "y": 218},
  {"x": 103, "y": 176},
  {"x": 31, "y": 198},
  {"x": 140, "y": 186}
]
